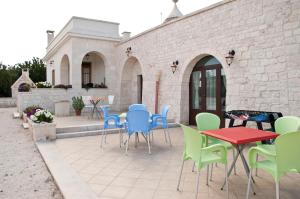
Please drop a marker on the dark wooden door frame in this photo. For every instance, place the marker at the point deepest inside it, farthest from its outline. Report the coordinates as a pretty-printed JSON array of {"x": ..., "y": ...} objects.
[{"x": 202, "y": 105}]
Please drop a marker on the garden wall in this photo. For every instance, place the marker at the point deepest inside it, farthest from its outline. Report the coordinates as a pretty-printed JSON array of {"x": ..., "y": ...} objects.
[
  {"x": 6, "y": 102},
  {"x": 47, "y": 97}
]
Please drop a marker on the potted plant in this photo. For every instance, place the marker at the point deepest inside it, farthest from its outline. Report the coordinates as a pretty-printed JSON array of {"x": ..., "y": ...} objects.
[
  {"x": 77, "y": 104},
  {"x": 30, "y": 110},
  {"x": 42, "y": 126}
]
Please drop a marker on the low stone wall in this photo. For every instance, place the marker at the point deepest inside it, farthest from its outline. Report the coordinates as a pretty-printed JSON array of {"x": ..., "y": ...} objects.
[
  {"x": 47, "y": 97},
  {"x": 6, "y": 102}
]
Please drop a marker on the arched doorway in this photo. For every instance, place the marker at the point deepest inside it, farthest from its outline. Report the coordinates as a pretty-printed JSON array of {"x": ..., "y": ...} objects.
[
  {"x": 65, "y": 70},
  {"x": 207, "y": 89},
  {"x": 93, "y": 71},
  {"x": 131, "y": 84}
]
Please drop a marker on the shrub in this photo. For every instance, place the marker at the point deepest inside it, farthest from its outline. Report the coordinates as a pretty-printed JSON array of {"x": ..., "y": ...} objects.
[
  {"x": 43, "y": 85},
  {"x": 63, "y": 86},
  {"x": 24, "y": 87},
  {"x": 31, "y": 110},
  {"x": 42, "y": 116}
]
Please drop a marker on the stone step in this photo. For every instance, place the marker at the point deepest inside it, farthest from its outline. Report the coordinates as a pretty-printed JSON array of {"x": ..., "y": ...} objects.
[
  {"x": 81, "y": 128},
  {"x": 74, "y": 134}
]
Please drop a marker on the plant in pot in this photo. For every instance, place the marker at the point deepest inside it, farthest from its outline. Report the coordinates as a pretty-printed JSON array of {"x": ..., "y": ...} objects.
[{"x": 77, "y": 104}]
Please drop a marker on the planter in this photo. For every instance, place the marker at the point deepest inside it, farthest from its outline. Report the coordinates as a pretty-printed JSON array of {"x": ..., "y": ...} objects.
[
  {"x": 78, "y": 112},
  {"x": 25, "y": 118},
  {"x": 42, "y": 131}
]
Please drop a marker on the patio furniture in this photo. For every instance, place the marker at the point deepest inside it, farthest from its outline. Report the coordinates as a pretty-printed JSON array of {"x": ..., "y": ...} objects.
[
  {"x": 110, "y": 99},
  {"x": 239, "y": 137},
  {"x": 208, "y": 121},
  {"x": 202, "y": 156},
  {"x": 87, "y": 100},
  {"x": 283, "y": 125},
  {"x": 110, "y": 121},
  {"x": 137, "y": 107},
  {"x": 255, "y": 116},
  {"x": 285, "y": 158},
  {"x": 137, "y": 121},
  {"x": 161, "y": 120}
]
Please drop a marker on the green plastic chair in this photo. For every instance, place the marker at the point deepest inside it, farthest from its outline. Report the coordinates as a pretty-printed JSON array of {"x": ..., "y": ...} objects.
[
  {"x": 195, "y": 150},
  {"x": 283, "y": 125},
  {"x": 208, "y": 121},
  {"x": 284, "y": 160}
]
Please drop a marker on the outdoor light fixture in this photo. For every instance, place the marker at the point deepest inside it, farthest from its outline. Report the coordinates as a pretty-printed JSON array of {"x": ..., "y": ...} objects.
[
  {"x": 87, "y": 56},
  {"x": 128, "y": 51},
  {"x": 174, "y": 66},
  {"x": 229, "y": 58},
  {"x": 51, "y": 62}
]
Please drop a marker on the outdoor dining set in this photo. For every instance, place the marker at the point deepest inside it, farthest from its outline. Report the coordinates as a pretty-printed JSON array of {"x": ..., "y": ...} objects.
[{"x": 208, "y": 145}]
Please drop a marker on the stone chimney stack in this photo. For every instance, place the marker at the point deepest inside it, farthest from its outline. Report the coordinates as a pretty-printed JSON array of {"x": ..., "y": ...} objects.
[
  {"x": 25, "y": 72},
  {"x": 126, "y": 35},
  {"x": 50, "y": 35}
]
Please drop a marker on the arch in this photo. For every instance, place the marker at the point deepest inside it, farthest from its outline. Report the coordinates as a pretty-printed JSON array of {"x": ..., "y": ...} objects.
[
  {"x": 198, "y": 60},
  {"x": 131, "y": 83},
  {"x": 93, "y": 70},
  {"x": 65, "y": 70}
]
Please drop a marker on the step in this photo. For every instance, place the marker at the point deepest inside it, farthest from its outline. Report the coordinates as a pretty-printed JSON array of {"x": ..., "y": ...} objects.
[
  {"x": 72, "y": 129},
  {"x": 63, "y": 135}
]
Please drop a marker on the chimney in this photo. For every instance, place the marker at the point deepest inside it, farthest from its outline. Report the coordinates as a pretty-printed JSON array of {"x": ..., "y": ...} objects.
[
  {"x": 50, "y": 35},
  {"x": 25, "y": 72},
  {"x": 126, "y": 35}
]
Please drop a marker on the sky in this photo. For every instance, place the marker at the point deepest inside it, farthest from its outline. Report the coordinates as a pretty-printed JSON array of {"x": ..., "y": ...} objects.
[{"x": 23, "y": 23}]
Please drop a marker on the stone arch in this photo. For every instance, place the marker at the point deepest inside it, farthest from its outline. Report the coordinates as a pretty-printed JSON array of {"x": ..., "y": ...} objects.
[
  {"x": 185, "y": 80},
  {"x": 93, "y": 69},
  {"x": 65, "y": 70},
  {"x": 131, "y": 83}
]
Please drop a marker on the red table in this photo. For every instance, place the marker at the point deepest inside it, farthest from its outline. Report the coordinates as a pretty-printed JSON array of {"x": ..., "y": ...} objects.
[{"x": 239, "y": 137}]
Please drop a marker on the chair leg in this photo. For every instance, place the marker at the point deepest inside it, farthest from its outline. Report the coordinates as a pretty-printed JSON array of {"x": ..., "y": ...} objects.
[
  {"x": 179, "y": 179},
  {"x": 249, "y": 186},
  {"x": 152, "y": 136},
  {"x": 233, "y": 155},
  {"x": 169, "y": 137},
  {"x": 148, "y": 140},
  {"x": 103, "y": 134},
  {"x": 207, "y": 174},
  {"x": 127, "y": 143},
  {"x": 193, "y": 169},
  {"x": 277, "y": 190},
  {"x": 256, "y": 171},
  {"x": 211, "y": 171},
  {"x": 197, "y": 188},
  {"x": 226, "y": 179},
  {"x": 166, "y": 140},
  {"x": 105, "y": 137},
  {"x": 120, "y": 137}
]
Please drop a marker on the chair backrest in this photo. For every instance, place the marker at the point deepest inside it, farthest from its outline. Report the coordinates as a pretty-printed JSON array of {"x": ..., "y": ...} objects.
[
  {"x": 193, "y": 142},
  {"x": 287, "y": 152},
  {"x": 110, "y": 99},
  {"x": 287, "y": 124},
  {"x": 105, "y": 110},
  {"x": 86, "y": 100},
  {"x": 165, "y": 110},
  {"x": 207, "y": 121},
  {"x": 138, "y": 121},
  {"x": 137, "y": 107}
]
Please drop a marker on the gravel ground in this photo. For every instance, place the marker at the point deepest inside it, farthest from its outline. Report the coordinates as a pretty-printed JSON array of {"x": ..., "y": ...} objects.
[{"x": 23, "y": 173}]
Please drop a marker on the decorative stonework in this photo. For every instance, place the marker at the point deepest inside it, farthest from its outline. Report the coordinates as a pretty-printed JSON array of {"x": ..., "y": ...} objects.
[{"x": 42, "y": 131}]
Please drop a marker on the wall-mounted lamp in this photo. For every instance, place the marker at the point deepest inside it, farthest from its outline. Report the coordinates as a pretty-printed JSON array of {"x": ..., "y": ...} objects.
[
  {"x": 87, "y": 56},
  {"x": 174, "y": 66},
  {"x": 230, "y": 56},
  {"x": 51, "y": 62},
  {"x": 128, "y": 51}
]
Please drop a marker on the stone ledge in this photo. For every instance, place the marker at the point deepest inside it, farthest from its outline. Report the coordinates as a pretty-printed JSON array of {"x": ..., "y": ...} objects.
[{"x": 68, "y": 181}]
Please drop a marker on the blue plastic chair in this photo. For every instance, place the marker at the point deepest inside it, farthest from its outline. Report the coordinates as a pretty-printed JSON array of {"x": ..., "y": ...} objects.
[
  {"x": 162, "y": 120},
  {"x": 137, "y": 107},
  {"x": 111, "y": 121},
  {"x": 137, "y": 121}
]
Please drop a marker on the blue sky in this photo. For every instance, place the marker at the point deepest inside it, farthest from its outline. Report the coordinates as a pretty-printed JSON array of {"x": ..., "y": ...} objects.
[{"x": 23, "y": 24}]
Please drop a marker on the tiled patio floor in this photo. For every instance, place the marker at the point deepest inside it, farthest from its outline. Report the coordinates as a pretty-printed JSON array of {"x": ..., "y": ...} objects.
[{"x": 112, "y": 174}]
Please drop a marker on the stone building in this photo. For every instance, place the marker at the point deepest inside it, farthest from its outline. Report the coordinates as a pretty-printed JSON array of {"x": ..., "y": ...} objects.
[
  {"x": 264, "y": 74},
  {"x": 24, "y": 78}
]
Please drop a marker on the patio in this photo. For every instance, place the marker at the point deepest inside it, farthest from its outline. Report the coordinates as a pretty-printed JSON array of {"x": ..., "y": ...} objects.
[{"x": 112, "y": 174}]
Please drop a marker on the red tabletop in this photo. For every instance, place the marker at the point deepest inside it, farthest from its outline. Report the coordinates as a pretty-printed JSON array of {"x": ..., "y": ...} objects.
[{"x": 240, "y": 135}]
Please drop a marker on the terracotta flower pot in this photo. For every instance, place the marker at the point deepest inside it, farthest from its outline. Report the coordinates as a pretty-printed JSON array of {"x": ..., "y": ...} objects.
[{"x": 78, "y": 112}]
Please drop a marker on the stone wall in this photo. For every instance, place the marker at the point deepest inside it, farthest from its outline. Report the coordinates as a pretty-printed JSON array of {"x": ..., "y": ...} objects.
[
  {"x": 6, "y": 102},
  {"x": 46, "y": 97}
]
